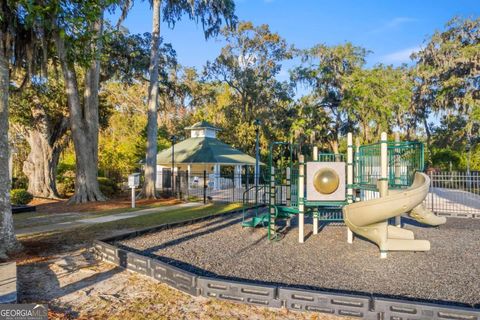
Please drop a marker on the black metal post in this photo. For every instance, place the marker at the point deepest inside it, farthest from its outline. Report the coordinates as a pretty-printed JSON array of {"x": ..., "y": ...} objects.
[
  {"x": 468, "y": 149},
  {"x": 247, "y": 183},
  {"x": 172, "y": 138},
  {"x": 233, "y": 184},
  {"x": 187, "y": 174},
  {"x": 257, "y": 159},
  {"x": 204, "y": 186}
]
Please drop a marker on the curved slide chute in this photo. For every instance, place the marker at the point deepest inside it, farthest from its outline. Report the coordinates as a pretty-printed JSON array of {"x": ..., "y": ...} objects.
[{"x": 369, "y": 218}]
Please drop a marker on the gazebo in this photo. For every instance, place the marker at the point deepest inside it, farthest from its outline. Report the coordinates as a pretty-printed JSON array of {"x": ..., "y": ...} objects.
[{"x": 202, "y": 152}]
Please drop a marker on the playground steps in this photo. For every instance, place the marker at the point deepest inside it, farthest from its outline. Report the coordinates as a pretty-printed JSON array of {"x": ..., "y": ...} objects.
[
  {"x": 284, "y": 212},
  {"x": 256, "y": 221},
  {"x": 281, "y": 212}
]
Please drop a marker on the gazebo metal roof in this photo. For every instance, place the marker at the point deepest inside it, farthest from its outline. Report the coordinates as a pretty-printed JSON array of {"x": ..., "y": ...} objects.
[
  {"x": 202, "y": 125},
  {"x": 204, "y": 150}
]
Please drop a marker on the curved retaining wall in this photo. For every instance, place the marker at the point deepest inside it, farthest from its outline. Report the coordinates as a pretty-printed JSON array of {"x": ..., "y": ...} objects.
[{"x": 353, "y": 305}]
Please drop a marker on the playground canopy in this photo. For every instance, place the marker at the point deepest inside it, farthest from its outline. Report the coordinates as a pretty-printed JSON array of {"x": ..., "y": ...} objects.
[{"x": 202, "y": 152}]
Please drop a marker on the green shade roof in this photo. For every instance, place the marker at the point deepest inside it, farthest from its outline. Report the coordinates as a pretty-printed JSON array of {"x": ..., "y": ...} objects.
[
  {"x": 204, "y": 150},
  {"x": 202, "y": 125}
]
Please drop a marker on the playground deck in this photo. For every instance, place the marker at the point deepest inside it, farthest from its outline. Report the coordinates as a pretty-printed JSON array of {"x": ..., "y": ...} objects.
[{"x": 221, "y": 247}]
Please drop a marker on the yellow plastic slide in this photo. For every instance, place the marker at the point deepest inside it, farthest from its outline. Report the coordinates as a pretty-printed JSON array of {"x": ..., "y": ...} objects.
[{"x": 369, "y": 218}]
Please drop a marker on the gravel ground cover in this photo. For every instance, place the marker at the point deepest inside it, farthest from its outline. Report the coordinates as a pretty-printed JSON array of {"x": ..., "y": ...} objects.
[{"x": 220, "y": 247}]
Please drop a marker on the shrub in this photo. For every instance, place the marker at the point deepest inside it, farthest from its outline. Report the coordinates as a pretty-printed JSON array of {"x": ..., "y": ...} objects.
[
  {"x": 66, "y": 178},
  {"x": 443, "y": 158},
  {"x": 19, "y": 182},
  {"x": 64, "y": 189},
  {"x": 20, "y": 197},
  {"x": 66, "y": 183},
  {"x": 107, "y": 186}
]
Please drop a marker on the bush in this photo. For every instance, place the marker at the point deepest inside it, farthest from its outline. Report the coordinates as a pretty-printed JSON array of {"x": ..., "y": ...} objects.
[
  {"x": 444, "y": 157},
  {"x": 20, "y": 197},
  {"x": 66, "y": 178},
  {"x": 19, "y": 182},
  {"x": 64, "y": 189},
  {"x": 107, "y": 186},
  {"x": 66, "y": 183}
]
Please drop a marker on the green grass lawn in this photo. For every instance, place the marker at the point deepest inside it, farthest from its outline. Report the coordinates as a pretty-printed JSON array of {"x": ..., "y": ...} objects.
[
  {"x": 33, "y": 219},
  {"x": 182, "y": 214},
  {"x": 86, "y": 234}
]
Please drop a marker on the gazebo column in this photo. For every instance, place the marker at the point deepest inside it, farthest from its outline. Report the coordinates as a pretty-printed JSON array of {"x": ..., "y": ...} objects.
[
  {"x": 238, "y": 176},
  {"x": 216, "y": 176},
  {"x": 189, "y": 173}
]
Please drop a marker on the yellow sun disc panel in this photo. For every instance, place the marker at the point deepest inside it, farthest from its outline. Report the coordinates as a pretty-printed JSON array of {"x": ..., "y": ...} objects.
[{"x": 326, "y": 181}]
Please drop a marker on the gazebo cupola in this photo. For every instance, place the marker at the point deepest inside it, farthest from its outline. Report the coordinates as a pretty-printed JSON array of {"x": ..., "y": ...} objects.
[{"x": 203, "y": 129}]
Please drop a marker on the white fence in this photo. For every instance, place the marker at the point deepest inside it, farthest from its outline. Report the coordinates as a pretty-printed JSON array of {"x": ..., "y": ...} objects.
[
  {"x": 452, "y": 194},
  {"x": 455, "y": 194}
]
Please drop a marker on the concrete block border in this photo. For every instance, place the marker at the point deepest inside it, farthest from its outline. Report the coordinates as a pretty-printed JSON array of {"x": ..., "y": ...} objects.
[{"x": 336, "y": 303}]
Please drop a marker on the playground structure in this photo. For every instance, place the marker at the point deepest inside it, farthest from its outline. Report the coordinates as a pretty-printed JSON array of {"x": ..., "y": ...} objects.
[{"x": 376, "y": 183}]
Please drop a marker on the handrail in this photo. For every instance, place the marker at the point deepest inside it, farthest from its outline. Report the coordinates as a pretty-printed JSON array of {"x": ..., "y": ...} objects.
[
  {"x": 259, "y": 188},
  {"x": 246, "y": 191}
]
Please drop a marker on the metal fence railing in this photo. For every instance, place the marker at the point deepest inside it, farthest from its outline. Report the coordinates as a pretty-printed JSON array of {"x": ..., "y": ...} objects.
[
  {"x": 209, "y": 187},
  {"x": 455, "y": 194},
  {"x": 451, "y": 194}
]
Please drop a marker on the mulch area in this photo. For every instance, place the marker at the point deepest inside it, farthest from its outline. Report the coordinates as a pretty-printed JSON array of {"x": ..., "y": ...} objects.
[
  {"x": 449, "y": 272},
  {"x": 46, "y": 206}
]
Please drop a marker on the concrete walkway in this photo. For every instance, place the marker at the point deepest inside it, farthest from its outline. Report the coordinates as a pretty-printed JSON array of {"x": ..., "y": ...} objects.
[
  {"x": 103, "y": 219},
  {"x": 8, "y": 282}
]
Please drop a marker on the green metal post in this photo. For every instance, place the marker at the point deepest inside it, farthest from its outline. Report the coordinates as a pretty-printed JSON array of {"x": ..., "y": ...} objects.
[
  {"x": 349, "y": 178},
  {"x": 271, "y": 220},
  {"x": 301, "y": 204},
  {"x": 315, "y": 210}
]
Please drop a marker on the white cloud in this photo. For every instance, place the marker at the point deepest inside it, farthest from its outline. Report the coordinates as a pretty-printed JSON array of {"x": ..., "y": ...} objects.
[
  {"x": 398, "y": 21},
  {"x": 400, "y": 56},
  {"x": 394, "y": 24}
]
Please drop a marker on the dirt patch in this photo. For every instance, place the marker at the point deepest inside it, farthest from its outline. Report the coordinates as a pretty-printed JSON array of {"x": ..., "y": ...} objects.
[
  {"x": 123, "y": 202},
  {"x": 75, "y": 286},
  {"x": 42, "y": 247}
]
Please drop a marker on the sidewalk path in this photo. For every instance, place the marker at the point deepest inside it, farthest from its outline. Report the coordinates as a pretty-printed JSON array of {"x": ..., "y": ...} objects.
[
  {"x": 8, "y": 282},
  {"x": 103, "y": 219}
]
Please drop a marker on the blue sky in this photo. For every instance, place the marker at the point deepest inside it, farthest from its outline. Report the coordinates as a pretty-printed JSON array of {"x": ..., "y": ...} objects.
[{"x": 391, "y": 29}]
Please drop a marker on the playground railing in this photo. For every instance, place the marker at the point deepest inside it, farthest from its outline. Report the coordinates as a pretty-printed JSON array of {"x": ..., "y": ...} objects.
[
  {"x": 331, "y": 157},
  {"x": 404, "y": 159},
  {"x": 259, "y": 195}
]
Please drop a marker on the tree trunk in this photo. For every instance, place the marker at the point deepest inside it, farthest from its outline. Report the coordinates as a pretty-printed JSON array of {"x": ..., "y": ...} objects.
[
  {"x": 41, "y": 165},
  {"x": 84, "y": 122},
  {"x": 334, "y": 146},
  {"x": 152, "y": 125},
  {"x": 429, "y": 138},
  {"x": 8, "y": 241},
  {"x": 336, "y": 130},
  {"x": 46, "y": 138}
]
